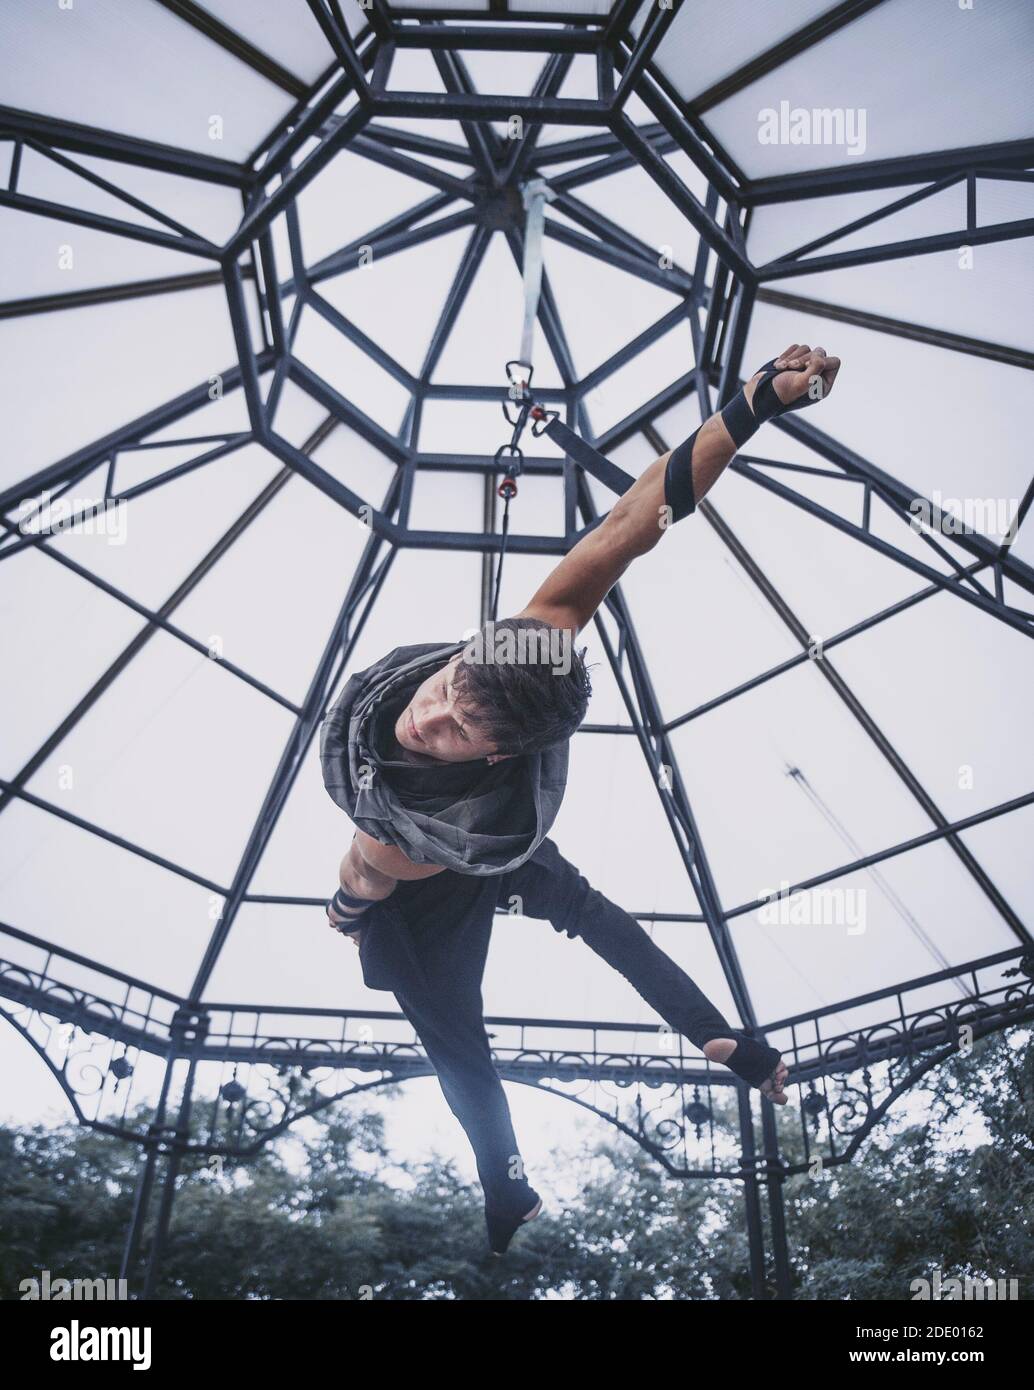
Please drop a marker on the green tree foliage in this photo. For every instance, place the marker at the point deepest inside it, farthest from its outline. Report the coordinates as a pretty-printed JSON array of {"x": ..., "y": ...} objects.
[
  {"x": 953, "y": 1192},
  {"x": 312, "y": 1217}
]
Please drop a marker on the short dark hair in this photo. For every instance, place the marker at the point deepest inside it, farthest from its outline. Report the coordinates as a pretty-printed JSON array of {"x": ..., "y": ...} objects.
[{"x": 523, "y": 684}]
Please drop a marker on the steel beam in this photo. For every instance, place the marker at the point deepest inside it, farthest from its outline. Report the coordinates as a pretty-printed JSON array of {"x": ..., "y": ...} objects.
[
  {"x": 477, "y": 106},
  {"x": 684, "y": 199},
  {"x": 655, "y": 26},
  {"x": 109, "y": 294},
  {"x": 123, "y": 149},
  {"x": 897, "y": 250},
  {"x": 114, "y": 226},
  {"x": 228, "y": 39},
  {"x": 101, "y": 449},
  {"x": 821, "y": 27},
  {"x": 203, "y": 567},
  {"x": 362, "y": 589},
  {"x": 900, "y": 494},
  {"x": 513, "y": 38},
  {"x": 885, "y": 173},
  {"x": 900, "y": 328}
]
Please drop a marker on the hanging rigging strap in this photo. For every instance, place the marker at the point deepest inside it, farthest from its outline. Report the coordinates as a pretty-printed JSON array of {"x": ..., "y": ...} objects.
[
  {"x": 575, "y": 447},
  {"x": 536, "y": 193}
]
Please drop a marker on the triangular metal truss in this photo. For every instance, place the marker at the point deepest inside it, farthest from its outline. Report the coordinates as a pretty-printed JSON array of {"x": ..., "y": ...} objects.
[{"x": 347, "y": 108}]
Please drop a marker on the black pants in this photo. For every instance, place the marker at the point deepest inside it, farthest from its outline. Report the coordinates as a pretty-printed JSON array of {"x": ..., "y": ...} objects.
[{"x": 428, "y": 944}]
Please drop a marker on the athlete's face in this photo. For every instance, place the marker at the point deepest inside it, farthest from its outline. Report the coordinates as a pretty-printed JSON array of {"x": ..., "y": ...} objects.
[{"x": 433, "y": 723}]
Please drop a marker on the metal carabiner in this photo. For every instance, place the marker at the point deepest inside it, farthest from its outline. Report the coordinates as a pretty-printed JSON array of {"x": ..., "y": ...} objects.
[
  {"x": 524, "y": 380},
  {"x": 519, "y": 392},
  {"x": 507, "y": 489},
  {"x": 541, "y": 418}
]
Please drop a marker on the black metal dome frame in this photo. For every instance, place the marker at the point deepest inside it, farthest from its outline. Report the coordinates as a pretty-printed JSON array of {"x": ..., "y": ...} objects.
[{"x": 91, "y": 1039}]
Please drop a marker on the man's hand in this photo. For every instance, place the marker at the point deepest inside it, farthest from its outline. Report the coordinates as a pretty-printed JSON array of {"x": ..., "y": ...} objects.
[
  {"x": 805, "y": 371},
  {"x": 371, "y": 871},
  {"x": 334, "y": 918}
]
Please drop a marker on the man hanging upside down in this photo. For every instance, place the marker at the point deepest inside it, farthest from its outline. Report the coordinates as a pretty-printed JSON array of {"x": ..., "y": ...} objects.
[{"x": 451, "y": 760}]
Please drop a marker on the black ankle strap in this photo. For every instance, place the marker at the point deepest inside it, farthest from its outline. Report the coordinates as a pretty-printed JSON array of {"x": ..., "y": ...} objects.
[{"x": 753, "y": 1061}]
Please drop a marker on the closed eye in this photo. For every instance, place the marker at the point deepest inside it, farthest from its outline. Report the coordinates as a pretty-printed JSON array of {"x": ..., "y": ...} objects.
[{"x": 459, "y": 726}]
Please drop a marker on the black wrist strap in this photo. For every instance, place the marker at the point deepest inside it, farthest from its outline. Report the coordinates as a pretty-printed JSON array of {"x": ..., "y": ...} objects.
[
  {"x": 765, "y": 404},
  {"x": 347, "y": 905},
  {"x": 743, "y": 420}
]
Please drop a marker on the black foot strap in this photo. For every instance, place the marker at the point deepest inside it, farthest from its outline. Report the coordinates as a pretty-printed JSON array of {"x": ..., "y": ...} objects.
[
  {"x": 503, "y": 1226},
  {"x": 753, "y": 1062}
]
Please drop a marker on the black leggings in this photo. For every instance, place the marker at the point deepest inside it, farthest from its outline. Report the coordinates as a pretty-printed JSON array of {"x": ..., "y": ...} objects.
[{"x": 428, "y": 943}]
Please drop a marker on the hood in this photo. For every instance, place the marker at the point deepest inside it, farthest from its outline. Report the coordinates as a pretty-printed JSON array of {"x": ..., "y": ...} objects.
[{"x": 490, "y": 825}]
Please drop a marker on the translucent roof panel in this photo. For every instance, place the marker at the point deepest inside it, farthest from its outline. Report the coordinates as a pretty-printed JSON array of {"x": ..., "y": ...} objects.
[
  {"x": 197, "y": 97},
  {"x": 709, "y": 41},
  {"x": 977, "y": 59},
  {"x": 184, "y": 339},
  {"x": 869, "y": 935},
  {"x": 930, "y": 447},
  {"x": 288, "y": 33}
]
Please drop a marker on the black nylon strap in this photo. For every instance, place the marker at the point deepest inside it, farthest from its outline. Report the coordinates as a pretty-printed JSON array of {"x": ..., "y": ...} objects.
[
  {"x": 609, "y": 474},
  {"x": 347, "y": 905},
  {"x": 678, "y": 475},
  {"x": 767, "y": 404},
  {"x": 678, "y": 479},
  {"x": 743, "y": 420},
  {"x": 740, "y": 420},
  {"x": 753, "y": 1061}
]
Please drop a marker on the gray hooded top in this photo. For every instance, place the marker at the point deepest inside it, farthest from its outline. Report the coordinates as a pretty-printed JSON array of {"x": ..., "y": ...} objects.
[{"x": 473, "y": 817}]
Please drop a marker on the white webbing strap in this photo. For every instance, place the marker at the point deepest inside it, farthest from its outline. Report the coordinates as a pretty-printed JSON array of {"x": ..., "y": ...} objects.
[{"x": 535, "y": 193}]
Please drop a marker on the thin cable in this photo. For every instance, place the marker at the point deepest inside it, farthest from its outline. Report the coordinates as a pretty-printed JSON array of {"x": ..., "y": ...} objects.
[
  {"x": 502, "y": 555},
  {"x": 902, "y": 910}
]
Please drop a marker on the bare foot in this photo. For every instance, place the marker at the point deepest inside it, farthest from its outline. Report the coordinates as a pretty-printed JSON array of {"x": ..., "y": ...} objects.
[{"x": 721, "y": 1049}]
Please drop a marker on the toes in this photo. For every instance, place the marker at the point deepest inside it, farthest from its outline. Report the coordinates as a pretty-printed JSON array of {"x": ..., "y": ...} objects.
[
  {"x": 773, "y": 1087},
  {"x": 773, "y": 1091}
]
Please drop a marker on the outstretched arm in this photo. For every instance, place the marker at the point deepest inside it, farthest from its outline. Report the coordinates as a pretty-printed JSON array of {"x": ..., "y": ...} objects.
[{"x": 636, "y": 522}]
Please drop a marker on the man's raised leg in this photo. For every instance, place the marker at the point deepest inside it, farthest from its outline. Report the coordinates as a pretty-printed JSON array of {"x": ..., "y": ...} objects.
[{"x": 550, "y": 887}]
